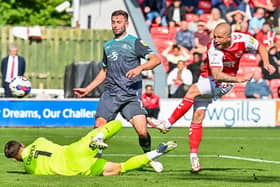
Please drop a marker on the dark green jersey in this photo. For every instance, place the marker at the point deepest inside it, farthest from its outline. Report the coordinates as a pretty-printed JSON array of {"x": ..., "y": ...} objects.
[{"x": 120, "y": 56}]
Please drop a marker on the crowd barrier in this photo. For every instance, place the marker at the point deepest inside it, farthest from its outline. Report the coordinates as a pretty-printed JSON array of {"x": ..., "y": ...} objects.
[{"x": 81, "y": 112}]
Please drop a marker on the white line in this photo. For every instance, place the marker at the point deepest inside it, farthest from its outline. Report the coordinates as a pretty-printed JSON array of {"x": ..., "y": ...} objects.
[
  {"x": 206, "y": 156},
  {"x": 248, "y": 159}
]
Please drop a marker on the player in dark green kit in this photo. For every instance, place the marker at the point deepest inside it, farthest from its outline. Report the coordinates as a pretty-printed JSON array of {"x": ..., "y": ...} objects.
[
  {"x": 43, "y": 157},
  {"x": 123, "y": 82}
]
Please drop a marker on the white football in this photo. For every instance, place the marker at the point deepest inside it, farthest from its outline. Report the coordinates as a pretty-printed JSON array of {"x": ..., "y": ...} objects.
[{"x": 20, "y": 86}]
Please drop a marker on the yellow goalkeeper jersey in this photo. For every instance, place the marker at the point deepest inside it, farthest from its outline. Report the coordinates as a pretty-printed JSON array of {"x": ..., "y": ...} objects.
[{"x": 44, "y": 157}]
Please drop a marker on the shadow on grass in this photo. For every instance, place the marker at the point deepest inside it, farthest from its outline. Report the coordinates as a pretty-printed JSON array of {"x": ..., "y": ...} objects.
[
  {"x": 211, "y": 174},
  {"x": 17, "y": 172}
]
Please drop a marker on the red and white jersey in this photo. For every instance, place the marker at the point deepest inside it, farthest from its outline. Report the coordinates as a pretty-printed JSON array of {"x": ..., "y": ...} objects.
[{"x": 228, "y": 59}]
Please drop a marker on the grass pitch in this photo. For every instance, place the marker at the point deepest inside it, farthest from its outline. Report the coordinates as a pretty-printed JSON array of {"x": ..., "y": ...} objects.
[{"x": 243, "y": 143}]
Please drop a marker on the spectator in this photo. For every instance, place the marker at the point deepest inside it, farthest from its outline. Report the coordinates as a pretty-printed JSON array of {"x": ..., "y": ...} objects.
[
  {"x": 151, "y": 102},
  {"x": 266, "y": 4},
  {"x": 12, "y": 66},
  {"x": 215, "y": 19},
  {"x": 227, "y": 6},
  {"x": 154, "y": 10},
  {"x": 173, "y": 54},
  {"x": 176, "y": 13},
  {"x": 257, "y": 87},
  {"x": 179, "y": 80},
  {"x": 201, "y": 37},
  {"x": 274, "y": 60},
  {"x": 265, "y": 36},
  {"x": 185, "y": 37},
  {"x": 192, "y": 6},
  {"x": 243, "y": 28},
  {"x": 277, "y": 45},
  {"x": 248, "y": 7},
  {"x": 257, "y": 21},
  {"x": 196, "y": 65},
  {"x": 194, "y": 23},
  {"x": 236, "y": 18}
]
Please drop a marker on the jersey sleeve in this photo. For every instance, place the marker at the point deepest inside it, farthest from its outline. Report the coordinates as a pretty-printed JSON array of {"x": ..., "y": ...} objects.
[
  {"x": 142, "y": 49},
  {"x": 215, "y": 58},
  {"x": 251, "y": 42},
  {"x": 104, "y": 61}
]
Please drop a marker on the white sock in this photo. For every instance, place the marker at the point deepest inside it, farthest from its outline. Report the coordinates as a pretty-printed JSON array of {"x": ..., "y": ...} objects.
[
  {"x": 167, "y": 124},
  {"x": 100, "y": 135},
  {"x": 193, "y": 155},
  {"x": 153, "y": 155}
]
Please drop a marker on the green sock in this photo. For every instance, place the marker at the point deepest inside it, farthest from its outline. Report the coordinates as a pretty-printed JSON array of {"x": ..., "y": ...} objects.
[
  {"x": 134, "y": 163},
  {"x": 109, "y": 129}
]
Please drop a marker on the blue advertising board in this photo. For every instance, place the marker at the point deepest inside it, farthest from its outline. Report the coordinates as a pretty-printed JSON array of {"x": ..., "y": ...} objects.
[{"x": 47, "y": 112}]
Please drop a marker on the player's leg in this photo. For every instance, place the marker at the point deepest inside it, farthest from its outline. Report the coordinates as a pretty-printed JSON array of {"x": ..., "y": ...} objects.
[
  {"x": 195, "y": 136},
  {"x": 180, "y": 110},
  {"x": 136, "y": 114},
  {"x": 139, "y": 124},
  {"x": 82, "y": 147},
  {"x": 106, "y": 111},
  {"x": 138, "y": 161},
  {"x": 104, "y": 133}
]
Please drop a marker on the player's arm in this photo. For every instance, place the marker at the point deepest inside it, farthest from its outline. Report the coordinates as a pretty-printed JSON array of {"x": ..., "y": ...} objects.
[
  {"x": 264, "y": 55},
  {"x": 81, "y": 92},
  {"x": 216, "y": 67},
  {"x": 218, "y": 75},
  {"x": 252, "y": 43},
  {"x": 153, "y": 61},
  {"x": 142, "y": 50}
]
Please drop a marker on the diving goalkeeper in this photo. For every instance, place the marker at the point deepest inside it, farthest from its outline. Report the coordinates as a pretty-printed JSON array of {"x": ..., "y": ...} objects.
[{"x": 43, "y": 157}]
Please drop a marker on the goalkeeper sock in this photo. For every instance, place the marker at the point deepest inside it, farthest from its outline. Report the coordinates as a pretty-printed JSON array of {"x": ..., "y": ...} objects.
[
  {"x": 108, "y": 130},
  {"x": 195, "y": 135},
  {"x": 135, "y": 163},
  {"x": 181, "y": 109},
  {"x": 145, "y": 142}
]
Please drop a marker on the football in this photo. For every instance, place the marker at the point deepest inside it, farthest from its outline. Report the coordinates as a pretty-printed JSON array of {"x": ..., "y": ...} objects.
[{"x": 20, "y": 86}]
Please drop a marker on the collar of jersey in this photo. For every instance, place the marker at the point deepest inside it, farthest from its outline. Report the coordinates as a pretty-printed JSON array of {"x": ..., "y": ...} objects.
[{"x": 121, "y": 38}]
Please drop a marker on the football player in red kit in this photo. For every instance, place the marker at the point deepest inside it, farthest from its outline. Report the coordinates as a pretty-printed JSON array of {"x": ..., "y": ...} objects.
[{"x": 216, "y": 79}]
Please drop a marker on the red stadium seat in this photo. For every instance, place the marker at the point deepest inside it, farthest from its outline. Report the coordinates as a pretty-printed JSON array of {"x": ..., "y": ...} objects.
[
  {"x": 204, "y": 17},
  {"x": 249, "y": 60},
  {"x": 160, "y": 32},
  {"x": 161, "y": 44},
  {"x": 274, "y": 84},
  {"x": 205, "y": 5},
  {"x": 189, "y": 17},
  {"x": 246, "y": 69}
]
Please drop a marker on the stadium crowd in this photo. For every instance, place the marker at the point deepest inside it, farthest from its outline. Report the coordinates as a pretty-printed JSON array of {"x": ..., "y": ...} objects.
[{"x": 181, "y": 30}]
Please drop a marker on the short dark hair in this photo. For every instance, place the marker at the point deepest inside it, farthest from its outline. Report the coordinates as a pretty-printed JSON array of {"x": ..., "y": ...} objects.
[
  {"x": 198, "y": 54},
  {"x": 12, "y": 148},
  {"x": 120, "y": 13},
  {"x": 175, "y": 46},
  {"x": 148, "y": 85}
]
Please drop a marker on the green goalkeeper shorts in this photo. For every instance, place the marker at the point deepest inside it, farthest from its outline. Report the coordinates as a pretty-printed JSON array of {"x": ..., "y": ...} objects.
[{"x": 98, "y": 167}]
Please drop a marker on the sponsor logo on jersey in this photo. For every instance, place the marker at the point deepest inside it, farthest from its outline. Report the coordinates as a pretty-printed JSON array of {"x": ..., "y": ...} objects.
[
  {"x": 113, "y": 56},
  {"x": 252, "y": 39},
  {"x": 143, "y": 43},
  {"x": 238, "y": 54}
]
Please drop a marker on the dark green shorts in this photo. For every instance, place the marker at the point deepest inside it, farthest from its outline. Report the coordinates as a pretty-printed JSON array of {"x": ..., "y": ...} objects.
[{"x": 98, "y": 167}]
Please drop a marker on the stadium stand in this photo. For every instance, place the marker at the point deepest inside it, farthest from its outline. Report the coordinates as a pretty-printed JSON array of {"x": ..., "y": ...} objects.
[{"x": 163, "y": 36}]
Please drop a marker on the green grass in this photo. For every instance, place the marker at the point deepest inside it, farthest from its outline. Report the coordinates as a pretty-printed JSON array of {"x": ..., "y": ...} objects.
[{"x": 260, "y": 143}]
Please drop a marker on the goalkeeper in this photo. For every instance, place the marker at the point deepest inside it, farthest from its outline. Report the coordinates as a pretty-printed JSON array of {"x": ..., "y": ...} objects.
[{"x": 43, "y": 157}]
